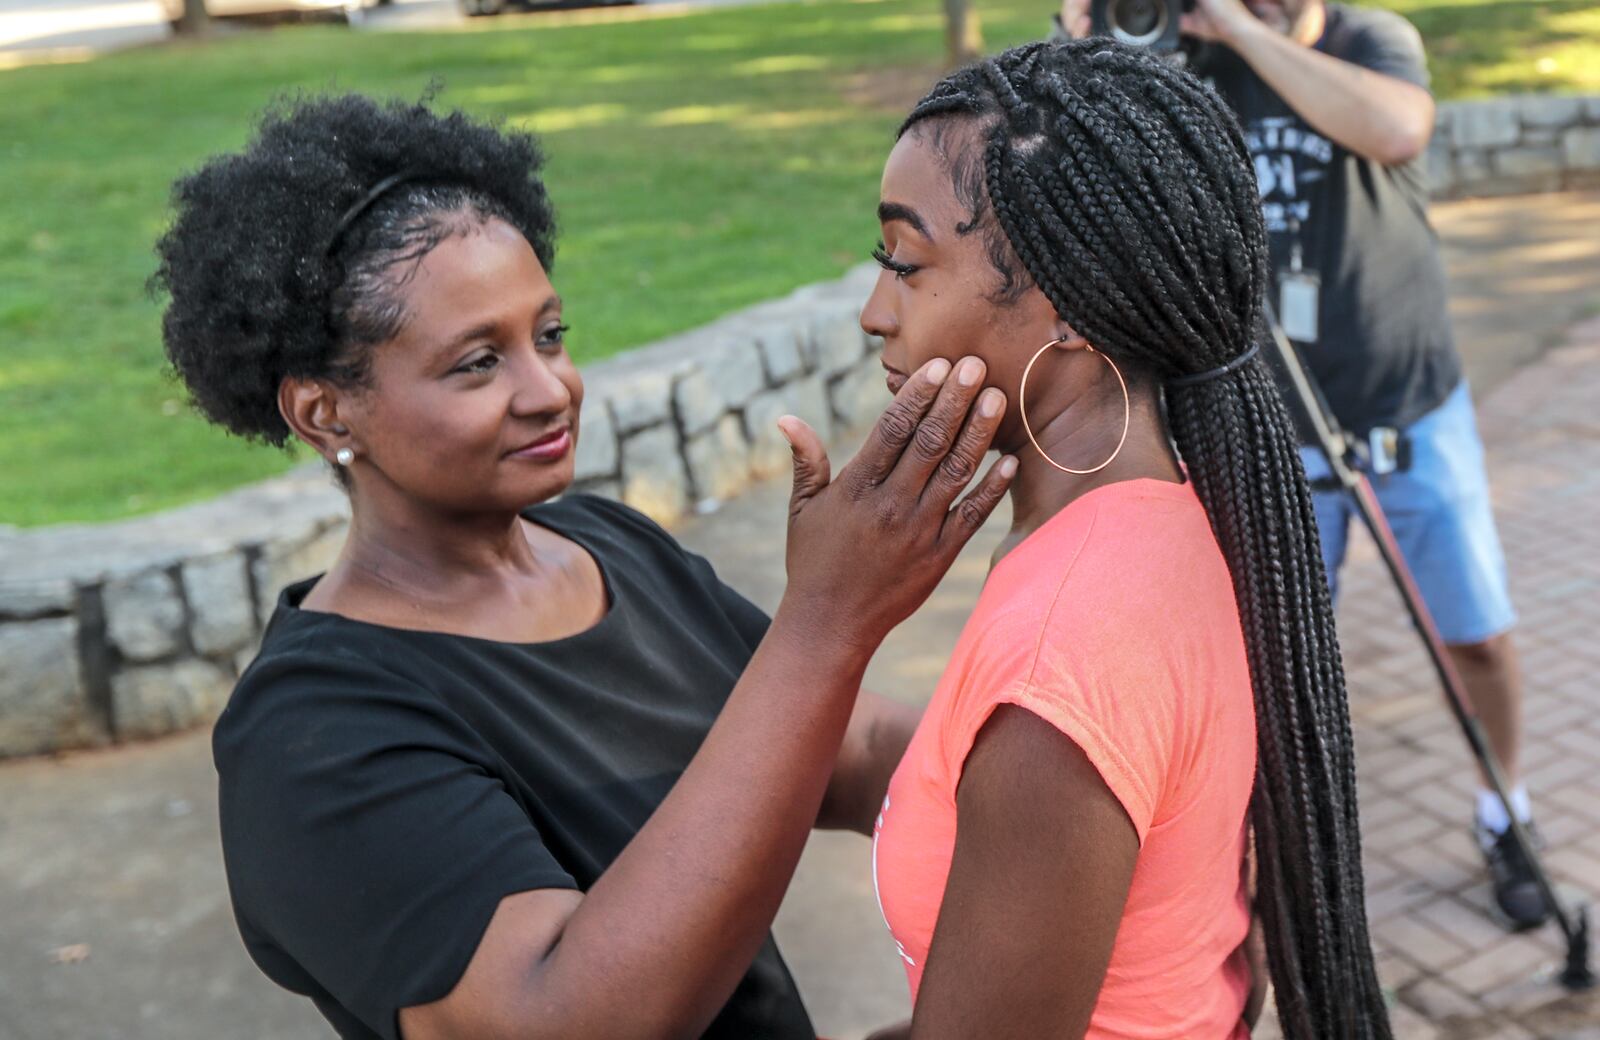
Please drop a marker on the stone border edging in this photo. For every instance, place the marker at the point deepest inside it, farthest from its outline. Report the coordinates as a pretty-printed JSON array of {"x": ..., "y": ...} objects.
[
  {"x": 137, "y": 628},
  {"x": 1515, "y": 146}
]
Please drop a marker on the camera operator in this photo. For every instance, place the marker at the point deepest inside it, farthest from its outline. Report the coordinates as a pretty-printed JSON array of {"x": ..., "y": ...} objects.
[{"x": 1336, "y": 111}]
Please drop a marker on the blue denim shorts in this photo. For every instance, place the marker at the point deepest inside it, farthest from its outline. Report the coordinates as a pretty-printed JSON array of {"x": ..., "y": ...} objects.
[{"x": 1439, "y": 509}]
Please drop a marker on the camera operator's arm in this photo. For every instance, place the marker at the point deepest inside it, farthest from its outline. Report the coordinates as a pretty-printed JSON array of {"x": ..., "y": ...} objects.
[{"x": 1380, "y": 117}]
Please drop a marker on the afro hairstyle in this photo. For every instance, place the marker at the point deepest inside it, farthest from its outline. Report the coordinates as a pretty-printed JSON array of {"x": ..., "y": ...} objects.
[{"x": 268, "y": 277}]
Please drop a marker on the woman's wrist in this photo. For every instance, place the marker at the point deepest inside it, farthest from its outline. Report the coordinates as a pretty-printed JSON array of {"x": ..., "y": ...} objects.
[{"x": 830, "y": 639}]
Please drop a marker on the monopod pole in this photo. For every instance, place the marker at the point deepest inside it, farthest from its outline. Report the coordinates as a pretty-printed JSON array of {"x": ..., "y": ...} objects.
[{"x": 1343, "y": 461}]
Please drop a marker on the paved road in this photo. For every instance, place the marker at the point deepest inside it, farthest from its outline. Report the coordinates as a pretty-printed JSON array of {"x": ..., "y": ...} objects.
[
  {"x": 38, "y": 30},
  {"x": 31, "y": 29},
  {"x": 117, "y": 850}
]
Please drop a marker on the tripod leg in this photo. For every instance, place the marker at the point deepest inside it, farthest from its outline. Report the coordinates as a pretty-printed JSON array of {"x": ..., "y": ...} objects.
[
  {"x": 1335, "y": 448},
  {"x": 1573, "y": 924}
]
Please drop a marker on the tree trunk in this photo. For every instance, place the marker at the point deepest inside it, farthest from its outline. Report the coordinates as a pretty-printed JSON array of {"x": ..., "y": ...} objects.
[
  {"x": 194, "y": 20},
  {"x": 963, "y": 33}
]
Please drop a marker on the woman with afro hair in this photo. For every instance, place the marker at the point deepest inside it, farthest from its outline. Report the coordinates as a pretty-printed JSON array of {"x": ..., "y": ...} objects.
[{"x": 518, "y": 766}]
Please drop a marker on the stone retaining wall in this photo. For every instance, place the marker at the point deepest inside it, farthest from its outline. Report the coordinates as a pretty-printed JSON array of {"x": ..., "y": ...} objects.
[
  {"x": 1515, "y": 146},
  {"x": 129, "y": 630},
  {"x": 133, "y": 629}
]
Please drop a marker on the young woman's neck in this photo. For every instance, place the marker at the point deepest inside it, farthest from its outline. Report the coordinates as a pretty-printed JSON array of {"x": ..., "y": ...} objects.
[{"x": 1080, "y": 436}]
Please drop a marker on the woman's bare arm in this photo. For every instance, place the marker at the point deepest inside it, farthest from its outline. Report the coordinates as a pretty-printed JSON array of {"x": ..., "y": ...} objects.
[
  {"x": 1043, "y": 861},
  {"x": 656, "y": 946},
  {"x": 875, "y": 741}
]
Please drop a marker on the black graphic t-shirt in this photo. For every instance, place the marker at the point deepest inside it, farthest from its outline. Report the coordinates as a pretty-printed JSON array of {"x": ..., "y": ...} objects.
[{"x": 1383, "y": 355}]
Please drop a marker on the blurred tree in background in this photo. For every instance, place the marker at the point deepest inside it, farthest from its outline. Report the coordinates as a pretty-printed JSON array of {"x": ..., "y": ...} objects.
[
  {"x": 195, "y": 19},
  {"x": 963, "y": 33}
]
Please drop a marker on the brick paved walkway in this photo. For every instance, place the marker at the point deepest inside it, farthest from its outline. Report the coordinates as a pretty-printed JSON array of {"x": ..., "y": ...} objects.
[{"x": 1448, "y": 963}]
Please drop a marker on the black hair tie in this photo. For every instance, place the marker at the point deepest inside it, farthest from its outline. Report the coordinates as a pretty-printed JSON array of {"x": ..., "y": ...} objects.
[
  {"x": 1217, "y": 373},
  {"x": 365, "y": 203}
]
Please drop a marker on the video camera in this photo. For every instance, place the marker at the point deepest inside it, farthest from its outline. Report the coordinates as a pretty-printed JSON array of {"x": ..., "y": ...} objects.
[{"x": 1142, "y": 23}]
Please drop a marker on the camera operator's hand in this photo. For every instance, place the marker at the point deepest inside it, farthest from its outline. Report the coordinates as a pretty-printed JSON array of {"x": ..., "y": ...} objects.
[
  {"x": 1075, "y": 18},
  {"x": 1217, "y": 21}
]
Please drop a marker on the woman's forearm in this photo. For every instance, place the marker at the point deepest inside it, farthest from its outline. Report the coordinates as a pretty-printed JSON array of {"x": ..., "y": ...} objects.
[
  {"x": 684, "y": 909},
  {"x": 1378, "y": 117}
]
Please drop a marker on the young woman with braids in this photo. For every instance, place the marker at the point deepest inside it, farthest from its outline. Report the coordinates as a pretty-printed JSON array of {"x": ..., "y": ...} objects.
[{"x": 1151, "y": 675}]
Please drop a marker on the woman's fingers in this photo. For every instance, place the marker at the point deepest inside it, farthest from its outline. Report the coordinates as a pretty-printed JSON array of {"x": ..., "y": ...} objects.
[
  {"x": 960, "y": 464},
  {"x": 931, "y": 442},
  {"x": 812, "y": 471},
  {"x": 896, "y": 426},
  {"x": 962, "y": 522}
]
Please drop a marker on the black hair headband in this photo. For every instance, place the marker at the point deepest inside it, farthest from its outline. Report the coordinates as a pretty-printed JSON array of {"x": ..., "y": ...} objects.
[
  {"x": 1217, "y": 373},
  {"x": 365, "y": 203}
]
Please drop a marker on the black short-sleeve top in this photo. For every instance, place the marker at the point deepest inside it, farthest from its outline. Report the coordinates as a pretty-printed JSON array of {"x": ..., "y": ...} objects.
[
  {"x": 381, "y": 790},
  {"x": 1384, "y": 353}
]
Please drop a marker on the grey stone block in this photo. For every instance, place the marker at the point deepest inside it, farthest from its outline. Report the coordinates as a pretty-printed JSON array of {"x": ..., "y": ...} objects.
[
  {"x": 858, "y": 282},
  {"x": 732, "y": 364},
  {"x": 1472, "y": 165},
  {"x": 596, "y": 455},
  {"x": 242, "y": 658},
  {"x": 1493, "y": 187},
  {"x": 1550, "y": 110},
  {"x": 806, "y": 398},
  {"x": 294, "y": 504},
  {"x": 1444, "y": 122},
  {"x": 152, "y": 700},
  {"x": 1581, "y": 180},
  {"x": 840, "y": 343},
  {"x": 654, "y": 480},
  {"x": 769, "y": 452},
  {"x": 285, "y": 563},
  {"x": 144, "y": 616},
  {"x": 1541, "y": 166},
  {"x": 1440, "y": 168},
  {"x": 1487, "y": 124},
  {"x": 719, "y": 461},
  {"x": 36, "y": 598},
  {"x": 859, "y": 397},
  {"x": 697, "y": 402},
  {"x": 1581, "y": 148},
  {"x": 780, "y": 351},
  {"x": 222, "y": 613},
  {"x": 42, "y": 704},
  {"x": 611, "y": 489},
  {"x": 640, "y": 399}
]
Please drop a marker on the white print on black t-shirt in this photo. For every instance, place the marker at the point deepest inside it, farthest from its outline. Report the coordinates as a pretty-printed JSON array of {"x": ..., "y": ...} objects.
[{"x": 1290, "y": 159}]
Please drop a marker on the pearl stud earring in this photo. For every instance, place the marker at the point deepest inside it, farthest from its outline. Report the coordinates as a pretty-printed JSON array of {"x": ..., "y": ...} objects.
[{"x": 344, "y": 456}]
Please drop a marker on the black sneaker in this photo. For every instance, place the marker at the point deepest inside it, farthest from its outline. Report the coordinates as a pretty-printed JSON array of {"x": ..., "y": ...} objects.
[{"x": 1511, "y": 876}]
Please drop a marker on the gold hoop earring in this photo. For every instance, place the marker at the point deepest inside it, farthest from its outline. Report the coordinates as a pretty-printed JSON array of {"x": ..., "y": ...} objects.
[{"x": 1022, "y": 409}]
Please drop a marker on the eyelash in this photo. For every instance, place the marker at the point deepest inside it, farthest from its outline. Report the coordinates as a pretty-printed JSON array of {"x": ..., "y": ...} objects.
[
  {"x": 558, "y": 336},
  {"x": 889, "y": 263}
]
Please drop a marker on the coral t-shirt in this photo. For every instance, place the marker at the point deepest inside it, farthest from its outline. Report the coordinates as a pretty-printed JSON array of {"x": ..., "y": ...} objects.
[{"x": 1116, "y": 623}]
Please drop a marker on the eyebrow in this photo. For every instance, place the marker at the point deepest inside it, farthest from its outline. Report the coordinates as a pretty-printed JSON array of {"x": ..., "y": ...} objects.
[
  {"x": 487, "y": 328},
  {"x": 890, "y": 211}
]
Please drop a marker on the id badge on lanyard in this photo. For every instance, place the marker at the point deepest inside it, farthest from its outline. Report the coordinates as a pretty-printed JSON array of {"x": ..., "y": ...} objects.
[{"x": 1298, "y": 293}]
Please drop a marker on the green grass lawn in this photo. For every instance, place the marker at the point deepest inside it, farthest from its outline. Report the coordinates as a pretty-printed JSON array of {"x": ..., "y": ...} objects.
[{"x": 699, "y": 162}]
